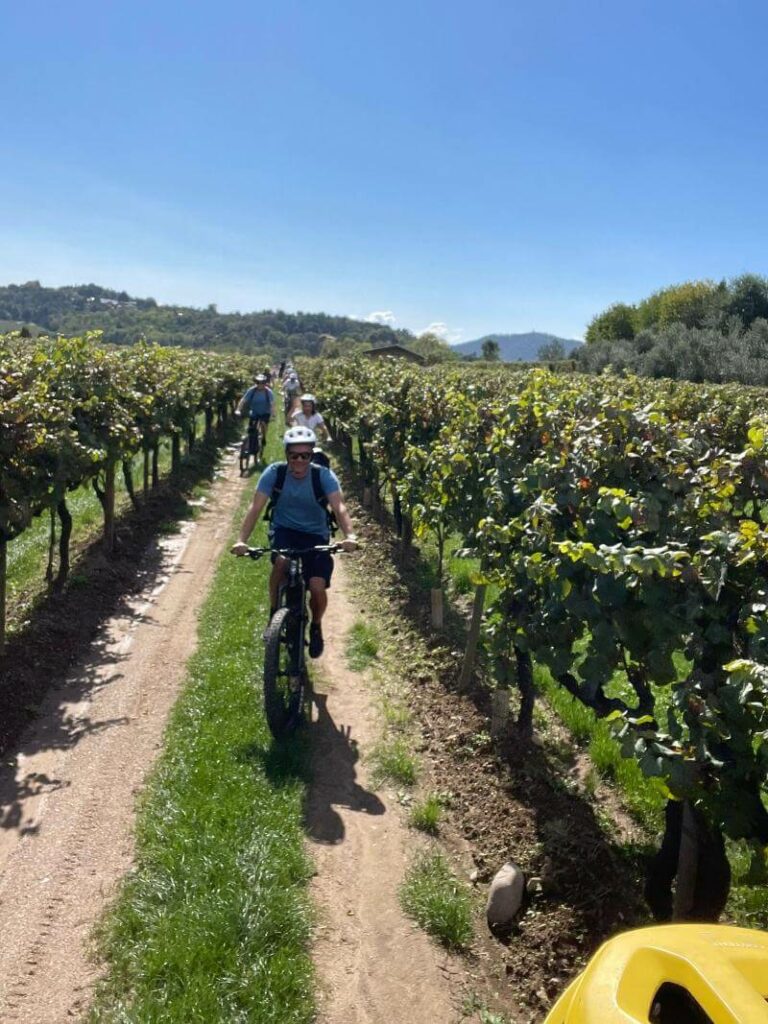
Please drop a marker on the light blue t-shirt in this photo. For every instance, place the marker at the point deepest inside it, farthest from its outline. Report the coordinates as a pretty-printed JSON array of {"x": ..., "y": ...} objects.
[
  {"x": 259, "y": 402},
  {"x": 297, "y": 508}
]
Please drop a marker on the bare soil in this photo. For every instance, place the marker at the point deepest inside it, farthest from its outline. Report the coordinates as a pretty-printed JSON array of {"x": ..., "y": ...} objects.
[
  {"x": 373, "y": 964},
  {"x": 67, "y": 795}
]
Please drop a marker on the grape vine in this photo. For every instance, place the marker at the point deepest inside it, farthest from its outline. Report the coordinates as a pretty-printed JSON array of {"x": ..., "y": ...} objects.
[{"x": 624, "y": 522}]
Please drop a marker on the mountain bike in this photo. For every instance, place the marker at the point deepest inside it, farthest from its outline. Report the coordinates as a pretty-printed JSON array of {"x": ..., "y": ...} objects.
[
  {"x": 251, "y": 446},
  {"x": 287, "y": 686}
]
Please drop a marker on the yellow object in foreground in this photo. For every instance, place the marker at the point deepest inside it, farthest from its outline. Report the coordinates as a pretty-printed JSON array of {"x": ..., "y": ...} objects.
[{"x": 673, "y": 974}]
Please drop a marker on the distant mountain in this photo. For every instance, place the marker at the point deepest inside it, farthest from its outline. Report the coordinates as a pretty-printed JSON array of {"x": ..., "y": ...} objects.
[{"x": 516, "y": 346}]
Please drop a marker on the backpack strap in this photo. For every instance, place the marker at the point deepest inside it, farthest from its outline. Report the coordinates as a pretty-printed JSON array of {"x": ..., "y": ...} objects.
[
  {"x": 317, "y": 489},
  {"x": 274, "y": 497},
  {"x": 317, "y": 486},
  {"x": 321, "y": 497}
]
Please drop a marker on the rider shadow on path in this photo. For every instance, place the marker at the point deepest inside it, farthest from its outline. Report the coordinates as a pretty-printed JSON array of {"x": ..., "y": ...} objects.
[{"x": 334, "y": 779}]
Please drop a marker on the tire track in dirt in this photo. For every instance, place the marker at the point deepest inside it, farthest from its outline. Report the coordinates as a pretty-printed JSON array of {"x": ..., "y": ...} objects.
[
  {"x": 373, "y": 964},
  {"x": 67, "y": 800}
]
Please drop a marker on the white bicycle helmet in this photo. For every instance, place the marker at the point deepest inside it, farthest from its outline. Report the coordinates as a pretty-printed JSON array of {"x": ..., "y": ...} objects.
[
  {"x": 308, "y": 398},
  {"x": 260, "y": 378},
  {"x": 299, "y": 435}
]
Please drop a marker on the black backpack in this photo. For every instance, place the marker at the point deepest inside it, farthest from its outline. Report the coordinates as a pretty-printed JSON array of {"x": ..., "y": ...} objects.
[
  {"x": 317, "y": 487},
  {"x": 319, "y": 458}
]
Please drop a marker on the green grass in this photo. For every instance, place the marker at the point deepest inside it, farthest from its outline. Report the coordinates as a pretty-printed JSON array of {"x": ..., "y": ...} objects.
[
  {"x": 214, "y": 923},
  {"x": 392, "y": 761},
  {"x": 362, "y": 646},
  {"x": 437, "y": 901},
  {"x": 425, "y": 814}
]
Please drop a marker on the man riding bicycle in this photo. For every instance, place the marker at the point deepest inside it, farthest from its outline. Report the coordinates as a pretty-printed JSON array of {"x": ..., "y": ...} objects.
[
  {"x": 300, "y": 520},
  {"x": 258, "y": 402}
]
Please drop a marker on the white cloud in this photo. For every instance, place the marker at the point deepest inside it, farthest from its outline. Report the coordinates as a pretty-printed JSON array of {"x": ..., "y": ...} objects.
[
  {"x": 442, "y": 330},
  {"x": 383, "y": 316}
]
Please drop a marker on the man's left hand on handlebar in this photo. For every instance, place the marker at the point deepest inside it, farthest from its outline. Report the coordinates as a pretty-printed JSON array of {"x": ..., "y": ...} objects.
[
  {"x": 239, "y": 549},
  {"x": 350, "y": 543}
]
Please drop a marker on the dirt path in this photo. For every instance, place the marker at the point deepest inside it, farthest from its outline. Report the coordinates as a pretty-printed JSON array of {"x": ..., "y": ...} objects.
[
  {"x": 374, "y": 965},
  {"x": 67, "y": 801}
]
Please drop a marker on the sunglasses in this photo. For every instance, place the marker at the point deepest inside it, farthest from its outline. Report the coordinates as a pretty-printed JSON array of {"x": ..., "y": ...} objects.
[{"x": 303, "y": 456}]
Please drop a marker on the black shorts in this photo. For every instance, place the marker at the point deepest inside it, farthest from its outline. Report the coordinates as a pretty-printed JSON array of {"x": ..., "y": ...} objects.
[
  {"x": 316, "y": 563},
  {"x": 261, "y": 417}
]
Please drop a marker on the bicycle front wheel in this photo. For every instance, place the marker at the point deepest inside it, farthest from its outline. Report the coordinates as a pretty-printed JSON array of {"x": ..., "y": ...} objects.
[
  {"x": 244, "y": 456},
  {"x": 258, "y": 445},
  {"x": 284, "y": 679}
]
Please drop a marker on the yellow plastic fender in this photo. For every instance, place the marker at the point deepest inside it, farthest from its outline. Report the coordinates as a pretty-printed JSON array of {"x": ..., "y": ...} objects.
[{"x": 672, "y": 974}]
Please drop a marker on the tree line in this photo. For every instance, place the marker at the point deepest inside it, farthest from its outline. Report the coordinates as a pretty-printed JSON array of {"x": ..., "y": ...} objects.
[
  {"x": 698, "y": 330},
  {"x": 124, "y": 319}
]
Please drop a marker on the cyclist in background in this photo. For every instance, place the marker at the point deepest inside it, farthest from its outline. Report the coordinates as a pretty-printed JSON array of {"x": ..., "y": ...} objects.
[
  {"x": 300, "y": 520},
  {"x": 258, "y": 402},
  {"x": 308, "y": 416},
  {"x": 291, "y": 389}
]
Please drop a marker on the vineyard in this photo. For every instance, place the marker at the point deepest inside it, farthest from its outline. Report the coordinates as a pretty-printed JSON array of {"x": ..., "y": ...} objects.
[
  {"x": 620, "y": 526},
  {"x": 596, "y": 550},
  {"x": 74, "y": 412}
]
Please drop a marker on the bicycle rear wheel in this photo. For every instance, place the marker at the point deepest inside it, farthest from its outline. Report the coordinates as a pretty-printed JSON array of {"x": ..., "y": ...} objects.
[{"x": 284, "y": 679}]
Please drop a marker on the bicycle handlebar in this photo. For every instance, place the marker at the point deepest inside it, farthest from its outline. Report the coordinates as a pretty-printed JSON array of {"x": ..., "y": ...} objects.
[{"x": 256, "y": 553}]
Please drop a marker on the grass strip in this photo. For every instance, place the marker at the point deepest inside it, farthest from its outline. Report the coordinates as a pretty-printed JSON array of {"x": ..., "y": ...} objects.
[
  {"x": 392, "y": 761},
  {"x": 213, "y": 924},
  {"x": 432, "y": 895},
  {"x": 362, "y": 646},
  {"x": 426, "y": 814}
]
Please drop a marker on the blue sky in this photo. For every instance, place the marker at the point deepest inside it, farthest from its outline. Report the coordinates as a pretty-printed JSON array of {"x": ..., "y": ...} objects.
[{"x": 486, "y": 166}]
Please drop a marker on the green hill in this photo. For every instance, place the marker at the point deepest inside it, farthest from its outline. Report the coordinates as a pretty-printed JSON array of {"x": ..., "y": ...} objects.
[{"x": 124, "y": 319}]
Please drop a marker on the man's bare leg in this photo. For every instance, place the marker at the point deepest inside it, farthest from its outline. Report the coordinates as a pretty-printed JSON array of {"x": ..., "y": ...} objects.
[
  {"x": 318, "y": 602},
  {"x": 318, "y": 598}
]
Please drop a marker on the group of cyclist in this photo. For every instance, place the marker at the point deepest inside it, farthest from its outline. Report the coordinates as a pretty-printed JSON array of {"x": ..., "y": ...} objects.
[
  {"x": 258, "y": 404},
  {"x": 303, "y": 495}
]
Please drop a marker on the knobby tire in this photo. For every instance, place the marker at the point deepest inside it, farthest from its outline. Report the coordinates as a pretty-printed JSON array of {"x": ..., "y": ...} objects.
[
  {"x": 251, "y": 448},
  {"x": 282, "y": 704}
]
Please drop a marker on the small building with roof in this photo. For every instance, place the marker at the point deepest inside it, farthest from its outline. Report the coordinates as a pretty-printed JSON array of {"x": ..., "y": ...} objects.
[{"x": 395, "y": 352}]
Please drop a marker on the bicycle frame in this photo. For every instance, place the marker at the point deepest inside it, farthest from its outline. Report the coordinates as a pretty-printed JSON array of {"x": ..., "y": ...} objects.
[
  {"x": 286, "y": 680},
  {"x": 256, "y": 431},
  {"x": 292, "y": 591}
]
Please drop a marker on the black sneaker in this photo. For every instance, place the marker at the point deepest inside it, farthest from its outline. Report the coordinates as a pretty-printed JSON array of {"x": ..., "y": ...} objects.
[{"x": 316, "y": 642}]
